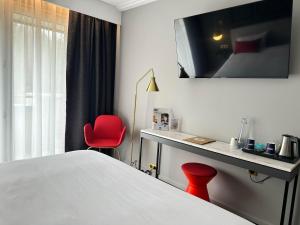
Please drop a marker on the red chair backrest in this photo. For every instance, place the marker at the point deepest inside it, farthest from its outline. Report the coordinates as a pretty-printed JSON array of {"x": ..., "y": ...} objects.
[{"x": 108, "y": 126}]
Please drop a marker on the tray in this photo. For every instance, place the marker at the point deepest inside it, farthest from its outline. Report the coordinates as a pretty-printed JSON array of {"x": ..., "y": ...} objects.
[
  {"x": 200, "y": 140},
  {"x": 266, "y": 155}
]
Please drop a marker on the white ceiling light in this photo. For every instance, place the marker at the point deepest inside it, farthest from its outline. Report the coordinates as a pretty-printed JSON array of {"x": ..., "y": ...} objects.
[{"x": 123, "y": 5}]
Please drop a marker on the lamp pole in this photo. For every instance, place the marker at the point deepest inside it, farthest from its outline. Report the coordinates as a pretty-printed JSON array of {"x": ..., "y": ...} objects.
[{"x": 133, "y": 163}]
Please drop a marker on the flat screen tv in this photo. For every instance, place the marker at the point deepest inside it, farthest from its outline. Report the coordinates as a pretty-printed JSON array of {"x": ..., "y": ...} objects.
[{"x": 247, "y": 41}]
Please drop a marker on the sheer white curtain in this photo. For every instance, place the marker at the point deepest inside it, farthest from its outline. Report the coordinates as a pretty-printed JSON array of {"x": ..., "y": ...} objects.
[{"x": 33, "y": 74}]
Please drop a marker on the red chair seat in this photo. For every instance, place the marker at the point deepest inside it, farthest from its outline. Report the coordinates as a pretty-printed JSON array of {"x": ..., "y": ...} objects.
[
  {"x": 198, "y": 175},
  {"x": 104, "y": 143}
]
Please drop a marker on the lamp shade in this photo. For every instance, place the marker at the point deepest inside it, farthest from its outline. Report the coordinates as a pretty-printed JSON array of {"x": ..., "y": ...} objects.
[
  {"x": 218, "y": 36},
  {"x": 152, "y": 87}
]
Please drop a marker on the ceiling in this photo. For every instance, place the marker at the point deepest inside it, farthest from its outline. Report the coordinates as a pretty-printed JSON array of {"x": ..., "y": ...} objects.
[{"x": 123, "y": 5}]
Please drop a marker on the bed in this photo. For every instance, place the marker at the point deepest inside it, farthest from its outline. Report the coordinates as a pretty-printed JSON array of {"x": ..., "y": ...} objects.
[
  {"x": 89, "y": 188},
  {"x": 271, "y": 61}
]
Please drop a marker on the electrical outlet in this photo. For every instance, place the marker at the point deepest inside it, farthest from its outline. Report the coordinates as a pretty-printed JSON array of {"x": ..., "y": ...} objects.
[
  {"x": 152, "y": 166},
  {"x": 253, "y": 173}
]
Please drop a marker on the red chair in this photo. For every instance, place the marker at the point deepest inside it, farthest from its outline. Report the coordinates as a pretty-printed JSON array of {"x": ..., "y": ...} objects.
[
  {"x": 109, "y": 132},
  {"x": 198, "y": 175}
]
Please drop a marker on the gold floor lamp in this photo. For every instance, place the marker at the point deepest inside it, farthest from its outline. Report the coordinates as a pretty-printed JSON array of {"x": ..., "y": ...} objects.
[{"x": 152, "y": 87}]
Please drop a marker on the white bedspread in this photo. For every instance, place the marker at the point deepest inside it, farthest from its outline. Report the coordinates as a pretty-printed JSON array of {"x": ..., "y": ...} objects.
[
  {"x": 271, "y": 62},
  {"x": 89, "y": 188}
]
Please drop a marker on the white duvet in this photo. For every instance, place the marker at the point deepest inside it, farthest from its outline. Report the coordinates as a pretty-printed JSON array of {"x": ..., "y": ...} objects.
[
  {"x": 89, "y": 188},
  {"x": 270, "y": 62}
]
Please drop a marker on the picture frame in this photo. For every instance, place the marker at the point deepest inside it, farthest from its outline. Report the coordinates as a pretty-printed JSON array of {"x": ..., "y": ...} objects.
[{"x": 161, "y": 119}]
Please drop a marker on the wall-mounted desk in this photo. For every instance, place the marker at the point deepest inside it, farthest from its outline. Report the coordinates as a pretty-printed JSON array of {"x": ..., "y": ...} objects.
[{"x": 221, "y": 151}]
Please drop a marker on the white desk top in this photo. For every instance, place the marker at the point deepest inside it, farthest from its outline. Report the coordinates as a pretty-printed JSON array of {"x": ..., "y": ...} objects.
[{"x": 224, "y": 149}]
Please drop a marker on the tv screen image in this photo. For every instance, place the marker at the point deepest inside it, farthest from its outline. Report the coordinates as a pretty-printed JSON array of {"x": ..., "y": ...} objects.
[{"x": 247, "y": 41}]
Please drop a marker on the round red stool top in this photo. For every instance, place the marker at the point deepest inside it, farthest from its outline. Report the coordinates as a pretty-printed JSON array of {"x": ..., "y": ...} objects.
[{"x": 198, "y": 169}]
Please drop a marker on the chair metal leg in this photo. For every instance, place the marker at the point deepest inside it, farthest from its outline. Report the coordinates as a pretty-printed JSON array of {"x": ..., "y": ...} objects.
[
  {"x": 118, "y": 154},
  {"x": 115, "y": 149}
]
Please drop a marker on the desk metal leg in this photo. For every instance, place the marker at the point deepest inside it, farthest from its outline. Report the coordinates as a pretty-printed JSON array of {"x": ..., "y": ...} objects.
[
  {"x": 140, "y": 154},
  {"x": 293, "y": 200},
  {"x": 286, "y": 190},
  {"x": 158, "y": 159},
  {"x": 285, "y": 197}
]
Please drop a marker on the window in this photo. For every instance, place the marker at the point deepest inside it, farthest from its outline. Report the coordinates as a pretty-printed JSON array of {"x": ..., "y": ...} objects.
[{"x": 39, "y": 42}]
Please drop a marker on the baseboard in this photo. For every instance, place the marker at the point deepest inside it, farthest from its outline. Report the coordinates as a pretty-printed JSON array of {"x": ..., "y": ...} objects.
[
  {"x": 241, "y": 213},
  {"x": 220, "y": 204},
  {"x": 172, "y": 182}
]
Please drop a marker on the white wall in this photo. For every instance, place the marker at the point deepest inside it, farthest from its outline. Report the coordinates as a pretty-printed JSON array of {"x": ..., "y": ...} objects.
[
  {"x": 208, "y": 107},
  {"x": 95, "y": 8}
]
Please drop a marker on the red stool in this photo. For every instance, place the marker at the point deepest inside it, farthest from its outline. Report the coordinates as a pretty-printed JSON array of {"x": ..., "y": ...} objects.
[{"x": 198, "y": 176}]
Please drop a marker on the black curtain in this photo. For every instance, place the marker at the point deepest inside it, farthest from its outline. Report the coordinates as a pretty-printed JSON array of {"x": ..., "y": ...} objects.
[{"x": 91, "y": 59}]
